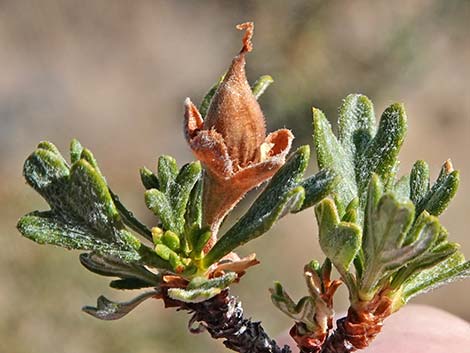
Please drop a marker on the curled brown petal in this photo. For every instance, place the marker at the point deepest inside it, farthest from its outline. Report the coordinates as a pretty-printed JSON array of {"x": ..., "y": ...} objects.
[
  {"x": 249, "y": 28},
  {"x": 253, "y": 175},
  {"x": 238, "y": 266},
  {"x": 208, "y": 146},
  {"x": 192, "y": 119},
  {"x": 280, "y": 142}
]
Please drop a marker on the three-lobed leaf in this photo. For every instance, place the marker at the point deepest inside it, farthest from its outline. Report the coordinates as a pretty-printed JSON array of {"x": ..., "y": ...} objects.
[
  {"x": 340, "y": 241},
  {"x": 83, "y": 215}
]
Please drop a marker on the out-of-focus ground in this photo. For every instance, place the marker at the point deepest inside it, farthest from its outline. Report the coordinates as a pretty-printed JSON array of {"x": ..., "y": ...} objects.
[{"x": 114, "y": 74}]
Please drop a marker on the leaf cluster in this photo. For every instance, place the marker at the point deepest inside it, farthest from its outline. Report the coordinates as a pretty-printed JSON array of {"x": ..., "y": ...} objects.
[
  {"x": 87, "y": 215},
  {"x": 381, "y": 232}
]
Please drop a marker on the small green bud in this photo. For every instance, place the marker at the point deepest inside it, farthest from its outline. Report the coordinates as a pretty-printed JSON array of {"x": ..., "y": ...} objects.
[
  {"x": 175, "y": 262},
  {"x": 157, "y": 233},
  {"x": 171, "y": 240},
  {"x": 163, "y": 251},
  {"x": 202, "y": 240}
]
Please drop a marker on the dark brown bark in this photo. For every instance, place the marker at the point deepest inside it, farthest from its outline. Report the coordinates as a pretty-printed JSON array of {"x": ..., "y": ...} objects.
[{"x": 222, "y": 317}]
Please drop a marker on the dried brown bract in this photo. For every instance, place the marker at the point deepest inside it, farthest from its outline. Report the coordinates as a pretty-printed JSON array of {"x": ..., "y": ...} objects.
[{"x": 231, "y": 141}]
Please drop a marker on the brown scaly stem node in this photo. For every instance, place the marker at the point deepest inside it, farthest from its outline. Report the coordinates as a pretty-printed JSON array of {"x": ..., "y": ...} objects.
[
  {"x": 359, "y": 328},
  {"x": 222, "y": 316}
]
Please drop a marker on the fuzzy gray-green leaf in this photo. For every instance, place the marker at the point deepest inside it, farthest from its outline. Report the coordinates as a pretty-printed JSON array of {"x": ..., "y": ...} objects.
[
  {"x": 441, "y": 193},
  {"x": 108, "y": 310},
  {"x": 317, "y": 187},
  {"x": 331, "y": 155},
  {"x": 450, "y": 270},
  {"x": 149, "y": 179},
  {"x": 193, "y": 213},
  {"x": 180, "y": 191},
  {"x": 402, "y": 189},
  {"x": 129, "y": 219},
  {"x": 261, "y": 84},
  {"x": 76, "y": 150},
  {"x": 114, "y": 267},
  {"x": 193, "y": 295},
  {"x": 48, "y": 174},
  {"x": 429, "y": 259},
  {"x": 356, "y": 123},
  {"x": 380, "y": 155},
  {"x": 340, "y": 241},
  {"x": 161, "y": 206},
  {"x": 90, "y": 200},
  {"x": 48, "y": 228},
  {"x": 167, "y": 172},
  {"x": 419, "y": 182},
  {"x": 201, "y": 289}
]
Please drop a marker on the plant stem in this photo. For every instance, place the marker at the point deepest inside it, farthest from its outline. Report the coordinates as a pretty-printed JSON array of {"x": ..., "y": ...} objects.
[
  {"x": 222, "y": 317},
  {"x": 338, "y": 342}
]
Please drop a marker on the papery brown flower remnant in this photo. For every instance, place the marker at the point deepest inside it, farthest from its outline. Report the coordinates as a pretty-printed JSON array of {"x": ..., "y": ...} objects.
[{"x": 231, "y": 141}]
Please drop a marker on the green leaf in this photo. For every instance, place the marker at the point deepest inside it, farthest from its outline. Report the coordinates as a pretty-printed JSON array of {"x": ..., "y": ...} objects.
[
  {"x": 48, "y": 174},
  {"x": 115, "y": 267},
  {"x": 206, "y": 101},
  {"x": 442, "y": 192},
  {"x": 423, "y": 234},
  {"x": 428, "y": 260},
  {"x": 199, "y": 291},
  {"x": 194, "y": 207},
  {"x": 149, "y": 179},
  {"x": 350, "y": 214},
  {"x": 161, "y": 206},
  {"x": 171, "y": 240},
  {"x": 317, "y": 187},
  {"x": 193, "y": 295},
  {"x": 302, "y": 311},
  {"x": 180, "y": 192},
  {"x": 108, "y": 310},
  {"x": 83, "y": 215},
  {"x": 165, "y": 252},
  {"x": 340, "y": 241},
  {"x": 402, "y": 189},
  {"x": 261, "y": 84},
  {"x": 49, "y": 228},
  {"x": 167, "y": 172},
  {"x": 48, "y": 146},
  {"x": 221, "y": 282},
  {"x": 129, "y": 284},
  {"x": 281, "y": 195},
  {"x": 90, "y": 200},
  {"x": 200, "y": 239},
  {"x": 380, "y": 155},
  {"x": 419, "y": 182},
  {"x": 389, "y": 241},
  {"x": 331, "y": 155},
  {"x": 76, "y": 150},
  {"x": 356, "y": 123},
  {"x": 170, "y": 202},
  {"x": 450, "y": 270},
  {"x": 90, "y": 158},
  {"x": 129, "y": 219}
]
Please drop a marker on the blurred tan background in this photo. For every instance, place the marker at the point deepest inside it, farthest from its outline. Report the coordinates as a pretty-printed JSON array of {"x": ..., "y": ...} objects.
[{"x": 114, "y": 74}]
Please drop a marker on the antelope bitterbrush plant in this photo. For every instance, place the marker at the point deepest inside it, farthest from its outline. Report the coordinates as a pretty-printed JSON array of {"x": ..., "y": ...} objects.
[{"x": 380, "y": 232}]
